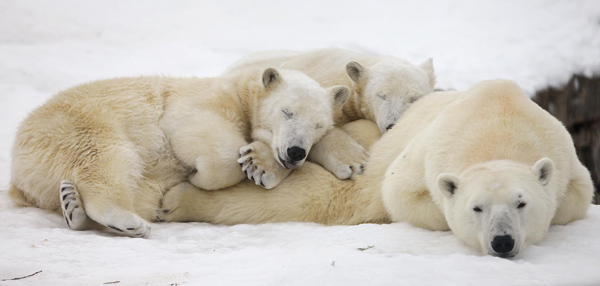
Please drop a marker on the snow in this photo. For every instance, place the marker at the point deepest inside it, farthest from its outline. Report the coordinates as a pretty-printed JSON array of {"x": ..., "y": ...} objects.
[{"x": 47, "y": 46}]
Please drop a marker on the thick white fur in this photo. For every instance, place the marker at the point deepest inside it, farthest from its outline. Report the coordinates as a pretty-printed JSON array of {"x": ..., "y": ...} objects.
[
  {"x": 383, "y": 87},
  {"x": 399, "y": 82},
  {"x": 120, "y": 143},
  {"x": 491, "y": 137}
]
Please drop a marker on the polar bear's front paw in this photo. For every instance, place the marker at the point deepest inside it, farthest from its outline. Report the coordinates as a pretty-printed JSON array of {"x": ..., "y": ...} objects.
[
  {"x": 266, "y": 179},
  {"x": 260, "y": 166},
  {"x": 347, "y": 165},
  {"x": 339, "y": 154},
  {"x": 72, "y": 208},
  {"x": 344, "y": 171}
]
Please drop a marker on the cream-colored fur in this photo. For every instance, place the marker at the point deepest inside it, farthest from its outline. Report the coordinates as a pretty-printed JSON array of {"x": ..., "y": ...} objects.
[
  {"x": 371, "y": 77},
  {"x": 490, "y": 135},
  {"x": 383, "y": 87},
  {"x": 120, "y": 143}
]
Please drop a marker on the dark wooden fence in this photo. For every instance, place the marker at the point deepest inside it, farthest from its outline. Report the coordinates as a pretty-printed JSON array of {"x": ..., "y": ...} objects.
[{"x": 577, "y": 105}]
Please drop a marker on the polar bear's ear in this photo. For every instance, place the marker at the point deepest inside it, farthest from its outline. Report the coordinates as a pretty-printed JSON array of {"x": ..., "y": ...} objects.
[
  {"x": 271, "y": 78},
  {"x": 447, "y": 184},
  {"x": 340, "y": 94},
  {"x": 427, "y": 66},
  {"x": 356, "y": 71},
  {"x": 543, "y": 170}
]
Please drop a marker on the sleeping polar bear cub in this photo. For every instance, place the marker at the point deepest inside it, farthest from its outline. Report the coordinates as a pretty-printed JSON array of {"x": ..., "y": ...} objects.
[
  {"x": 105, "y": 152},
  {"x": 284, "y": 112}
]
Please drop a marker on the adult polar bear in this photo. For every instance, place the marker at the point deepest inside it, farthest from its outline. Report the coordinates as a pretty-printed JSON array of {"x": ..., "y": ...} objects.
[
  {"x": 123, "y": 142},
  {"x": 383, "y": 87},
  {"x": 487, "y": 163}
]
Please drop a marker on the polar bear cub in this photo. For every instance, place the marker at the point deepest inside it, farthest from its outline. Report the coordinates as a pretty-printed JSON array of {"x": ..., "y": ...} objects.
[
  {"x": 105, "y": 152},
  {"x": 283, "y": 113},
  {"x": 383, "y": 88}
]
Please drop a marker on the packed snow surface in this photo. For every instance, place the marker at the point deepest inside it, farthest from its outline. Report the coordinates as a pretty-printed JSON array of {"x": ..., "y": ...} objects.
[{"x": 48, "y": 46}]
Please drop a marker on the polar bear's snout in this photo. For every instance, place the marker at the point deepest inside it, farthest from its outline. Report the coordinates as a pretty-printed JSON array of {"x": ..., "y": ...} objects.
[
  {"x": 503, "y": 245},
  {"x": 387, "y": 120},
  {"x": 503, "y": 236},
  {"x": 294, "y": 157},
  {"x": 296, "y": 153}
]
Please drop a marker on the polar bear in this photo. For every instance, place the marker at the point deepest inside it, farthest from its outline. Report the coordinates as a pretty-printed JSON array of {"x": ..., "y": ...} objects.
[
  {"x": 118, "y": 144},
  {"x": 486, "y": 163},
  {"x": 383, "y": 88}
]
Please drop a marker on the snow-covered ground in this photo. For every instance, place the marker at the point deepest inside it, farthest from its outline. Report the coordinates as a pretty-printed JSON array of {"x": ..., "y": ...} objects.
[{"x": 47, "y": 46}]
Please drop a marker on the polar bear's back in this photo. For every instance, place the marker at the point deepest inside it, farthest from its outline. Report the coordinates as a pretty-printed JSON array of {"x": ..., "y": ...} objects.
[
  {"x": 271, "y": 58},
  {"x": 326, "y": 66},
  {"x": 56, "y": 140},
  {"x": 495, "y": 120}
]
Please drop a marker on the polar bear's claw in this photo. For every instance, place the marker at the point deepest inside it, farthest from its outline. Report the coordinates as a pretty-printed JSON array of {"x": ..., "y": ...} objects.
[
  {"x": 348, "y": 167},
  {"x": 72, "y": 208},
  {"x": 260, "y": 166},
  {"x": 131, "y": 225}
]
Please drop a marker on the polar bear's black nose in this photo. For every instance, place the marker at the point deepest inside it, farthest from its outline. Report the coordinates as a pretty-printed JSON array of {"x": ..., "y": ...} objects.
[
  {"x": 390, "y": 126},
  {"x": 296, "y": 153},
  {"x": 503, "y": 244}
]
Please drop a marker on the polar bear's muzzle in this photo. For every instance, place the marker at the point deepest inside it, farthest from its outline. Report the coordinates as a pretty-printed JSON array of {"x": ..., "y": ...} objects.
[
  {"x": 386, "y": 123},
  {"x": 295, "y": 157},
  {"x": 503, "y": 238},
  {"x": 503, "y": 246}
]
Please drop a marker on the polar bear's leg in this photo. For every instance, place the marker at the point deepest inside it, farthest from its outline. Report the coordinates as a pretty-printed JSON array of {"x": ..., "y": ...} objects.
[
  {"x": 242, "y": 203},
  {"x": 408, "y": 200},
  {"x": 184, "y": 202},
  {"x": 310, "y": 194},
  {"x": 109, "y": 204},
  {"x": 579, "y": 194},
  {"x": 261, "y": 166},
  {"x": 216, "y": 165},
  {"x": 405, "y": 194},
  {"x": 104, "y": 183},
  {"x": 71, "y": 206},
  {"x": 338, "y": 153},
  {"x": 210, "y": 143}
]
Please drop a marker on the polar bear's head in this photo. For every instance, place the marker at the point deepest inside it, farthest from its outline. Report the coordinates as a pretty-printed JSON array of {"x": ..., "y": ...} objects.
[
  {"x": 294, "y": 113},
  {"x": 389, "y": 87},
  {"x": 499, "y": 206}
]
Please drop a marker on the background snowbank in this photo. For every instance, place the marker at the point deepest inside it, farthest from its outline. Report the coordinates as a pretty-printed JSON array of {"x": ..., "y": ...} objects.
[{"x": 47, "y": 46}]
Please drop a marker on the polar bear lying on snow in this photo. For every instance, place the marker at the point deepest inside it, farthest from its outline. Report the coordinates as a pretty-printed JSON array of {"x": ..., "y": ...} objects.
[
  {"x": 383, "y": 87},
  {"x": 487, "y": 163},
  {"x": 120, "y": 143}
]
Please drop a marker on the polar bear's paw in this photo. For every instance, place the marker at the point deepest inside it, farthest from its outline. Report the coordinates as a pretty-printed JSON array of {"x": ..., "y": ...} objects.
[
  {"x": 347, "y": 164},
  {"x": 129, "y": 224},
  {"x": 260, "y": 166},
  {"x": 339, "y": 154},
  {"x": 72, "y": 208},
  {"x": 348, "y": 168},
  {"x": 180, "y": 203}
]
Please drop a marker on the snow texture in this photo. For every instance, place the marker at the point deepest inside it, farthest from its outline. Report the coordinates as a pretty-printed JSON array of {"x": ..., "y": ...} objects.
[{"x": 48, "y": 46}]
